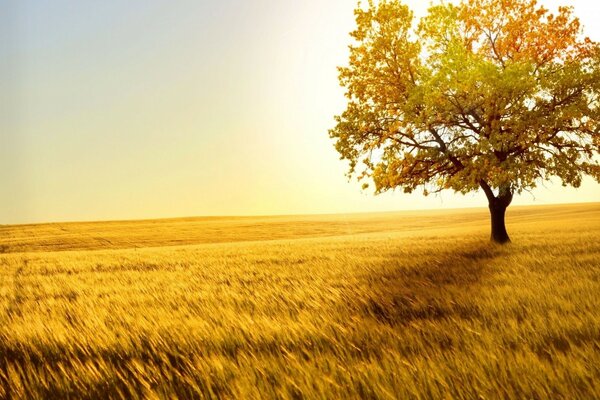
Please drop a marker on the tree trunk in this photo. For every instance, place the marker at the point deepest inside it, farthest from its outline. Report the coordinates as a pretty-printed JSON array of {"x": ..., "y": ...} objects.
[
  {"x": 498, "y": 205},
  {"x": 497, "y": 211}
]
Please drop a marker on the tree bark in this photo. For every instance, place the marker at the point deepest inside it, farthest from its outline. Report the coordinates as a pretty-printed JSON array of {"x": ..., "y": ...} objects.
[
  {"x": 498, "y": 205},
  {"x": 497, "y": 212}
]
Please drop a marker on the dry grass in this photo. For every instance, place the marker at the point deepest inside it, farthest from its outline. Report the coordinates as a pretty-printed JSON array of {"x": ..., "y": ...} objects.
[{"x": 404, "y": 305}]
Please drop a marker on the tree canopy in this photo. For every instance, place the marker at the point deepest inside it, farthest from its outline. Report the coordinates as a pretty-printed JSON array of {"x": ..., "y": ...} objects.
[{"x": 491, "y": 94}]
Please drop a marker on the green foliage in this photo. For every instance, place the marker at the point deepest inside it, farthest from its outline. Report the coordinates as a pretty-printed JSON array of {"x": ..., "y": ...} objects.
[{"x": 486, "y": 93}]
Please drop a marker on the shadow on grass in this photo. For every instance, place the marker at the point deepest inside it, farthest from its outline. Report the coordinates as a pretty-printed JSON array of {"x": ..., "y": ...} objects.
[{"x": 442, "y": 285}]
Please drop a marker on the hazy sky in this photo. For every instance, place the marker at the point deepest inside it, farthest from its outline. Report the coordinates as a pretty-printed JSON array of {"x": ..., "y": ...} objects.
[{"x": 137, "y": 109}]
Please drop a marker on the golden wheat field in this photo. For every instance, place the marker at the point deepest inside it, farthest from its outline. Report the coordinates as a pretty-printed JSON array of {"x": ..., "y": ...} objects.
[{"x": 393, "y": 305}]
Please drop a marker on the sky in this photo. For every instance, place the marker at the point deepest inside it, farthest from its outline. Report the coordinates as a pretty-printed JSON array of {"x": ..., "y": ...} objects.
[{"x": 147, "y": 109}]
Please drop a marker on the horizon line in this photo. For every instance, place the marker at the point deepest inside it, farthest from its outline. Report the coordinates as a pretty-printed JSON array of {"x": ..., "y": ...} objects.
[{"x": 233, "y": 216}]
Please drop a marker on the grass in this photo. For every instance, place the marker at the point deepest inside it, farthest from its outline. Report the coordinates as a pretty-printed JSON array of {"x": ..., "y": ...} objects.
[{"x": 400, "y": 305}]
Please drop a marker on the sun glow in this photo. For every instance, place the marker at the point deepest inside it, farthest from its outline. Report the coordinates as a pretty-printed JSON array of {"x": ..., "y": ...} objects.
[{"x": 119, "y": 110}]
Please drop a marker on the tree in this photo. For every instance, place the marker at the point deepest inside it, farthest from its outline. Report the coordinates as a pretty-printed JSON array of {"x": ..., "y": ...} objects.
[{"x": 497, "y": 95}]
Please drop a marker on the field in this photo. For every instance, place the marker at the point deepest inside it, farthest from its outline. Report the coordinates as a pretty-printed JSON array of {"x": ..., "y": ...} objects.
[{"x": 393, "y": 305}]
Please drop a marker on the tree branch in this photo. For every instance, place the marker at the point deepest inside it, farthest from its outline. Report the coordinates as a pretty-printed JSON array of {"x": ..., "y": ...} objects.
[
  {"x": 444, "y": 149},
  {"x": 489, "y": 193}
]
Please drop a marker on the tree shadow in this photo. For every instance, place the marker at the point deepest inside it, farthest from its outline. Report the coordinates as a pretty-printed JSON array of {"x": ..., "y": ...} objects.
[{"x": 443, "y": 285}]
